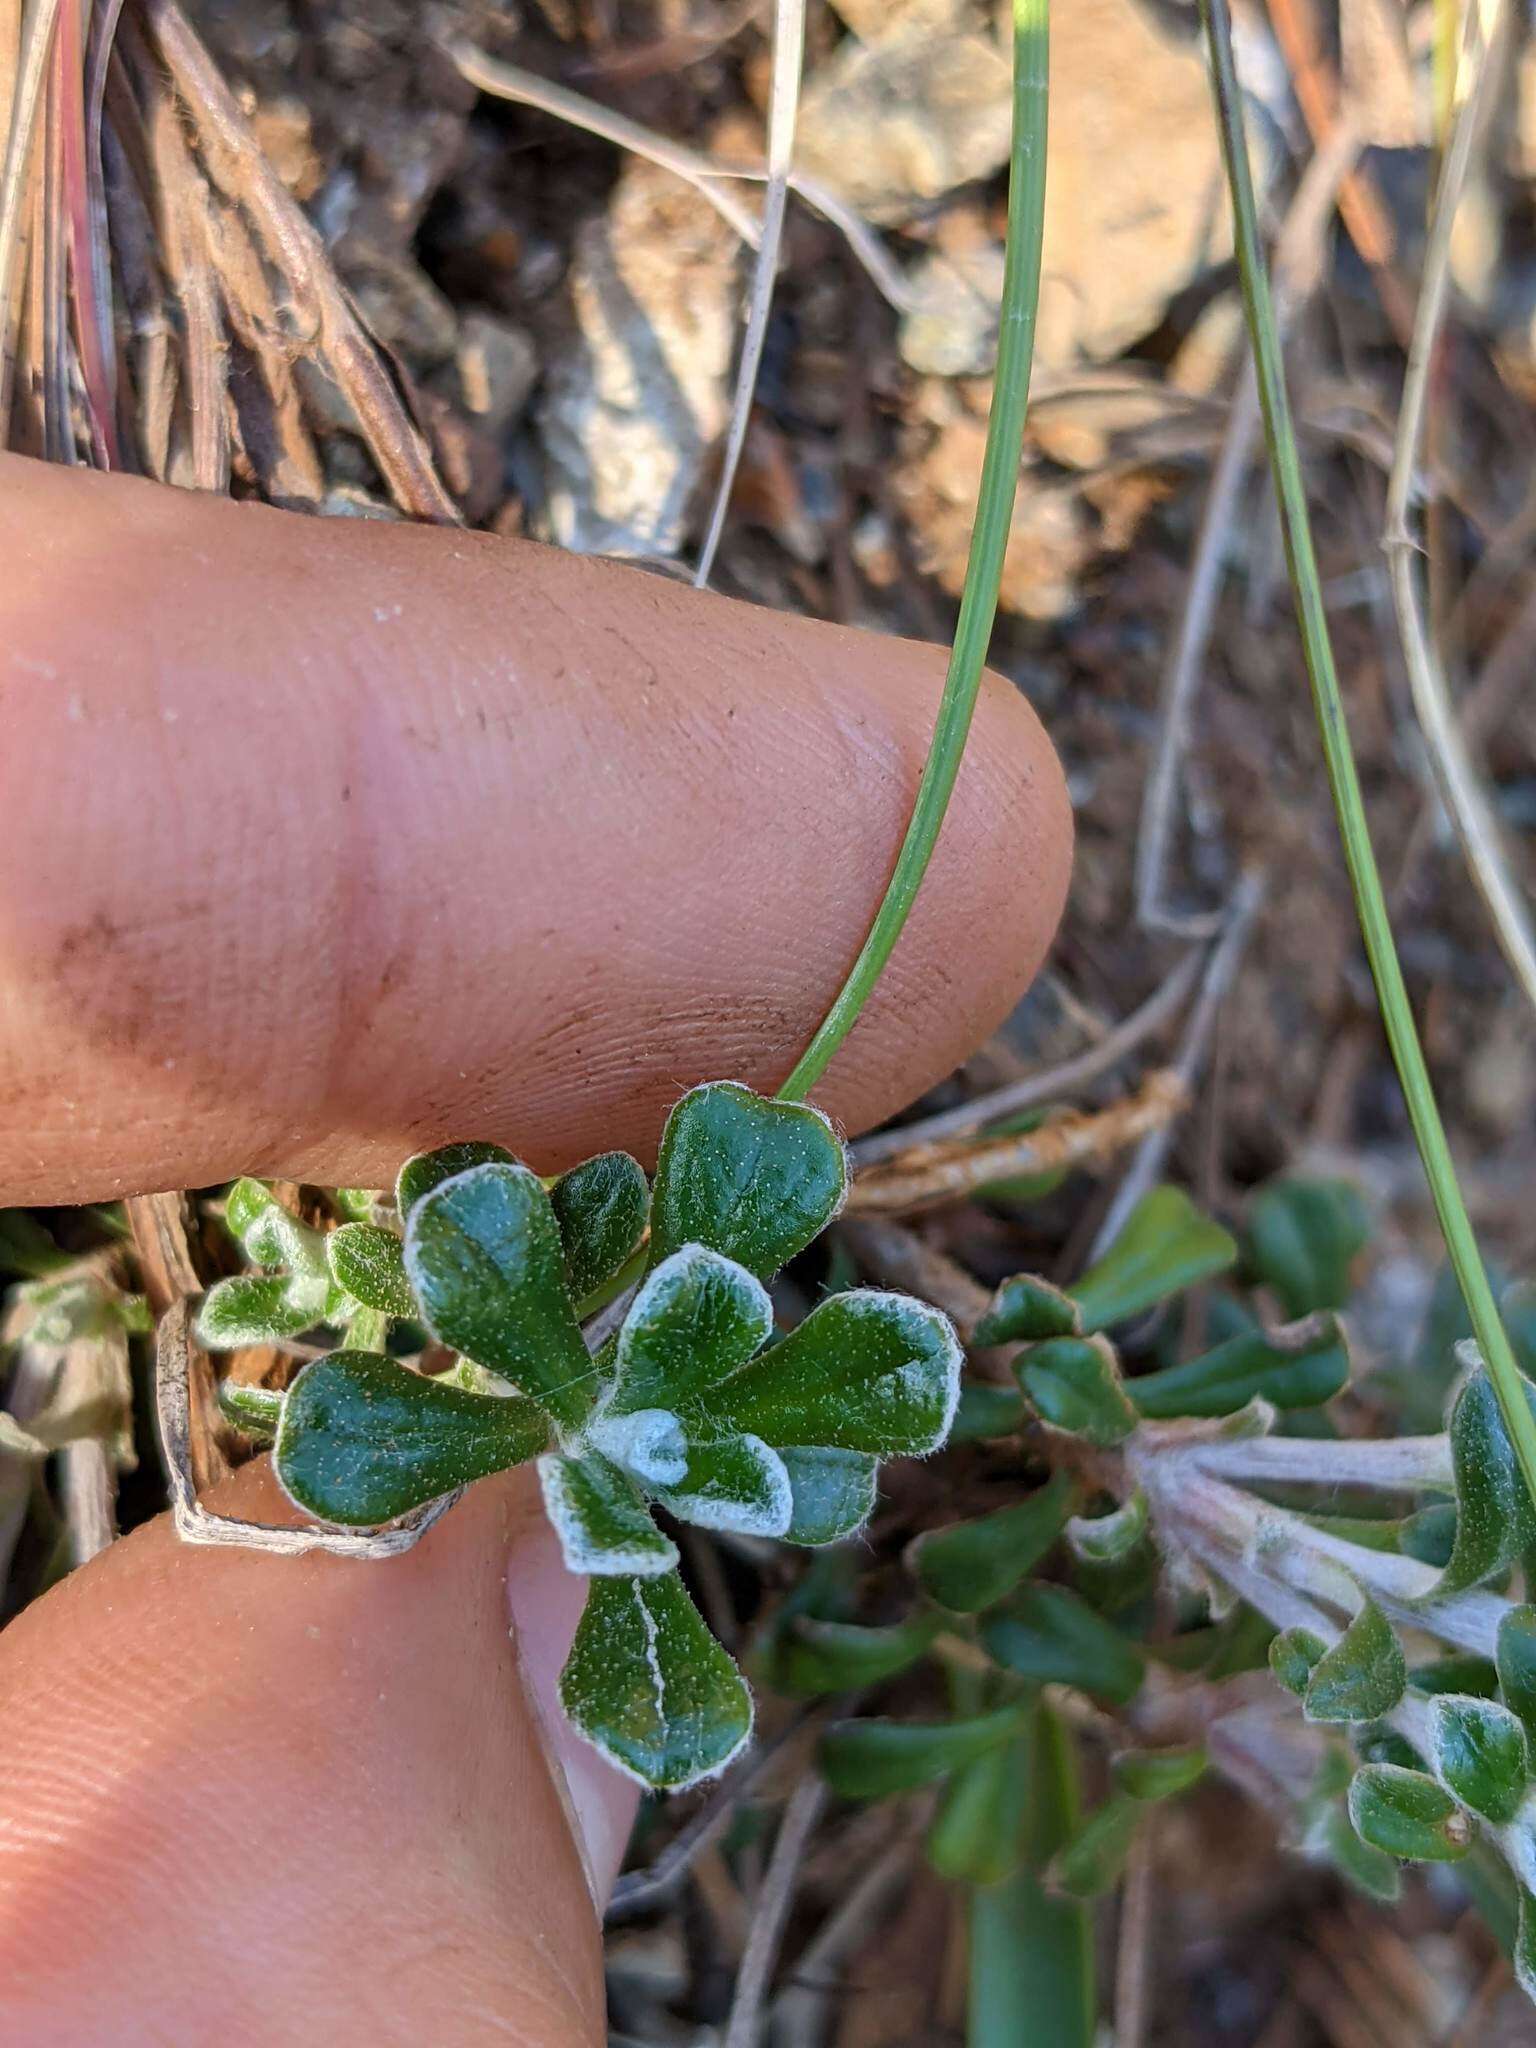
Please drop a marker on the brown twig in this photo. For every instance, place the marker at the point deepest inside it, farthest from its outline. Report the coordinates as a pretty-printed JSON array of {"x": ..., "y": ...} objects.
[
  {"x": 1465, "y": 798},
  {"x": 928, "y": 1176},
  {"x": 1045, "y": 1085},
  {"x": 1365, "y": 218},
  {"x": 801, "y": 1814},
  {"x": 243, "y": 175}
]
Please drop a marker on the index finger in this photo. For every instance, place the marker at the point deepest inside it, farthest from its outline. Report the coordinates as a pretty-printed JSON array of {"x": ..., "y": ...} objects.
[{"x": 324, "y": 841}]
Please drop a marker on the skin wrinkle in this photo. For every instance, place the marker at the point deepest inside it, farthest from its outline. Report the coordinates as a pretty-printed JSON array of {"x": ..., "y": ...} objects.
[
  {"x": 768, "y": 767},
  {"x": 380, "y": 1726}
]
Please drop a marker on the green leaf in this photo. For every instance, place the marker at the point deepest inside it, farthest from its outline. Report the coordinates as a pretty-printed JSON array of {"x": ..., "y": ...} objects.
[
  {"x": 1092, "y": 1861},
  {"x": 647, "y": 1684},
  {"x": 362, "y": 1439},
  {"x": 735, "y": 1483},
  {"x": 1031, "y": 1955},
  {"x": 1075, "y": 1383},
  {"x": 866, "y": 1371},
  {"x": 1361, "y": 1864},
  {"x": 257, "y": 1308},
  {"x": 1494, "y": 1519},
  {"x": 754, "y": 1179},
  {"x": 972, "y": 1565},
  {"x": 833, "y": 1492},
  {"x": 604, "y": 1526},
  {"x": 484, "y": 1257},
  {"x": 1478, "y": 1752},
  {"x": 813, "y": 1657},
  {"x": 1303, "y": 1237},
  {"x": 1294, "y": 1655},
  {"x": 1155, "y": 1774},
  {"x": 1429, "y": 1534},
  {"x": 1048, "y": 1634},
  {"x": 977, "y": 1836},
  {"x": 649, "y": 1445},
  {"x": 1165, "y": 1246},
  {"x": 355, "y": 1205},
  {"x": 1406, "y": 1814},
  {"x": 369, "y": 1262},
  {"x": 871, "y": 1759},
  {"x": 1363, "y": 1676},
  {"x": 1248, "y": 1367},
  {"x": 1026, "y": 1309},
  {"x": 986, "y": 1412},
  {"x": 428, "y": 1170},
  {"x": 1111, "y": 1538},
  {"x": 1517, "y": 1665},
  {"x": 256, "y": 1410},
  {"x": 601, "y": 1208},
  {"x": 697, "y": 1318},
  {"x": 268, "y": 1234}
]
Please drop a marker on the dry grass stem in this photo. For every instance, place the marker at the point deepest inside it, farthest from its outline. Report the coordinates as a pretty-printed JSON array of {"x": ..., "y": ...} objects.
[{"x": 930, "y": 1175}]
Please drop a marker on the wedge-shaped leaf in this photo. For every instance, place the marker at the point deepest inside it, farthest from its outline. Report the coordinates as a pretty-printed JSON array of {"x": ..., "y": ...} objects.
[
  {"x": 484, "y": 1257},
  {"x": 1025, "y": 1309},
  {"x": 1294, "y": 1654},
  {"x": 977, "y": 1836},
  {"x": 1075, "y": 1383},
  {"x": 754, "y": 1179},
  {"x": 604, "y": 1526},
  {"x": 1407, "y": 1815},
  {"x": 1092, "y": 1861},
  {"x": 600, "y": 1207},
  {"x": 647, "y": 1684},
  {"x": 870, "y": 1759},
  {"x": 1165, "y": 1246},
  {"x": 1154, "y": 1774},
  {"x": 736, "y": 1483},
  {"x": 697, "y": 1318},
  {"x": 1494, "y": 1520},
  {"x": 1246, "y": 1368},
  {"x": 1478, "y": 1752},
  {"x": 986, "y": 1412},
  {"x": 369, "y": 1262},
  {"x": 1303, "y": 1236},
  {"x": 866, "y": 1371},
  {"x": 972, "y": 1565},
  {"x": 1111, "y": 1538},
  {"x": 832, "y": 1493},
  {"x": 428, "y": 1170},
  {"x": 1048, "y": 1634},
  {"x": 1363, "y": 1676},
  {"x": 811, "y": 1657},
  {"x": 258, "y": 1308},
  {"x": 362, "y": 1439},
  {"x": 1517, "y": 1665}
]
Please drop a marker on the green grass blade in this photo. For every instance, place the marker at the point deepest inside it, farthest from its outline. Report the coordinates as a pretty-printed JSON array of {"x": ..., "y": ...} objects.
[
  {"x": 989, "y": 540},
  {"x": 1364, "y": 876}
]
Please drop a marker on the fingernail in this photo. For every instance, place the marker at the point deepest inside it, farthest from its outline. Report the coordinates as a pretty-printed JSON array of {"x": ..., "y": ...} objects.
[{"x": 545, "y": 1601}]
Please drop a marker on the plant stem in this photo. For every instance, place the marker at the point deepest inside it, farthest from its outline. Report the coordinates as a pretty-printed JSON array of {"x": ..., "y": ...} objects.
[
  {"x": 989, "y": 540},
  {"x": 1364, "y": 876}
]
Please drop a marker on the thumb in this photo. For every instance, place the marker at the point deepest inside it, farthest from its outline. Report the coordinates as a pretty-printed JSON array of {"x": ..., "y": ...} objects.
[{"x": 343, "y": 1783}]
